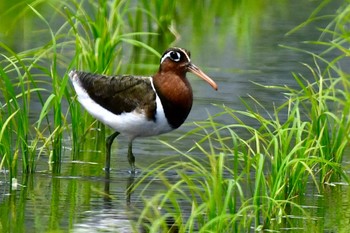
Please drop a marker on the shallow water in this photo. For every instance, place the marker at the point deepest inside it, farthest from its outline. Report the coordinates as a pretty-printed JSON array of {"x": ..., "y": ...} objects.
[{"x": 82, "y": 199}]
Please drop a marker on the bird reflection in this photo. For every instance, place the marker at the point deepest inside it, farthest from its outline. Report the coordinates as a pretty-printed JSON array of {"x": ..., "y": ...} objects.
[{"x": 129, "y": 190}]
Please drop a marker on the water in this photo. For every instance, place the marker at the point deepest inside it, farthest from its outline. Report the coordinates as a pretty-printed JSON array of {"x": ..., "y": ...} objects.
[{"x": 81, "y": 198}]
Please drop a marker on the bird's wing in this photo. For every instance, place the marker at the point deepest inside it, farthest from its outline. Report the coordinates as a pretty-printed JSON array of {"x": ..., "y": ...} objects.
[{"x": 120, "y": 94}]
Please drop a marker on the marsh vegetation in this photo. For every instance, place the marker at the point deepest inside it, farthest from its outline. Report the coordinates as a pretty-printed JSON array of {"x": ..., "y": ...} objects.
[{"x": 261, "y": 163}]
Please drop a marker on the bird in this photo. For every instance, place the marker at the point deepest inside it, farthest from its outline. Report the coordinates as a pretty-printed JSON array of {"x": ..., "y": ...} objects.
[{"x": 140, "y": 106}]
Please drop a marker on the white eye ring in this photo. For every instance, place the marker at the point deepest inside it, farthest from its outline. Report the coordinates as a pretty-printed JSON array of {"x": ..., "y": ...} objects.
[
  {"x": 170, "y": 55},
  {"x": 175, "y": 56}
]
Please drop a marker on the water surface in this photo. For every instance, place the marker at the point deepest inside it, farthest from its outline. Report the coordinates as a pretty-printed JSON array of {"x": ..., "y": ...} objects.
[{"x": 235, "y": 51}]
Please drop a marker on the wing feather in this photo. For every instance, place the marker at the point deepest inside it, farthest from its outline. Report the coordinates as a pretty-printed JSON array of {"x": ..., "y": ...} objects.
[{"x": 120, "y": 94}]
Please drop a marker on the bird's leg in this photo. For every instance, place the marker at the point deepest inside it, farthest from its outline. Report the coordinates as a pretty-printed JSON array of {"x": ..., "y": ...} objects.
[
  {"x": 131, "y": 158},
  {"x": 109, "y": 142}
]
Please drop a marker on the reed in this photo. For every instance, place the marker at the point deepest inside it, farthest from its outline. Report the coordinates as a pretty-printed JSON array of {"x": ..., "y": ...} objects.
[
  {"x": 15, "y": 125},
  {"x": 276, "y": 161},
  {"x": 300, "y": 144},
  {"x": 303, "y": 140},
  {"x": 93, "y": 36}
]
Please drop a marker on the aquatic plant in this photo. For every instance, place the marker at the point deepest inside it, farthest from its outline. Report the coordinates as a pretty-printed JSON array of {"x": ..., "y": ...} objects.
[
  {"x": 300, "y": 144},
  {"x": 303, "y": 140},
  {"x": 92, "y": 36}
]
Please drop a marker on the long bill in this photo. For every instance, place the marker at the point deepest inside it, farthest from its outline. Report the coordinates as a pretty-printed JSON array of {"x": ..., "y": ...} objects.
[{"x": 195, "y": 70}]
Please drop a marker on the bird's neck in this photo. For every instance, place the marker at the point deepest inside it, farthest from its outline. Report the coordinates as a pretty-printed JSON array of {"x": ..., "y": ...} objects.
[{"x": 176, "y": 95}]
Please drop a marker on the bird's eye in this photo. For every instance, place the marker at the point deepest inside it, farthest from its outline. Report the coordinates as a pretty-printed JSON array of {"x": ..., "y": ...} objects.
[
  {"x": 172, "y": 55},
  {"x": 175, "y": 56}
]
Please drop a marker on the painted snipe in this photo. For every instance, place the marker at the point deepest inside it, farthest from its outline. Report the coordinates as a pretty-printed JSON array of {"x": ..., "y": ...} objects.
[{"x": 138, "y": 106}]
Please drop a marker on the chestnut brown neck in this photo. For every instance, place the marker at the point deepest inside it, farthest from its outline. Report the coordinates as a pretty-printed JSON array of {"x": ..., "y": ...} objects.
[{"x": 175, "y": 93}]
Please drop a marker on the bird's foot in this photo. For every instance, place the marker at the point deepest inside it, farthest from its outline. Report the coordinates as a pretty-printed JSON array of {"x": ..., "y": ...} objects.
[
  {"x": 133, "y": 172},
  {"x": 106, "y": 169}
]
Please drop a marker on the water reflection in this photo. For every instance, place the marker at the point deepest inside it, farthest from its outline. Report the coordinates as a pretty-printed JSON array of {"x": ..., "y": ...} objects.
[
  {"x": 85, "y": 199},
  {"x": 103, "y": 203},
  {"x": 111, "y": 217},
  {"x": 117, "y": 214}
]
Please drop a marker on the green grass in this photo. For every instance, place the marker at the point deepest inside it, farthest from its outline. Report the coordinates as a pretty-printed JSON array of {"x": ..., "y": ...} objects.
[
  {"x": 300, "y": 144},
  {"x": 275, "y": 163},
  {"x": 93, "y": 36}
]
